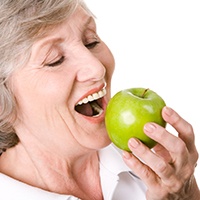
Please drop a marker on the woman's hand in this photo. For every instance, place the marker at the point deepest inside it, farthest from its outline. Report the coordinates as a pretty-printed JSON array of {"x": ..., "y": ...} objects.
[{"x": 167, "y": 169}]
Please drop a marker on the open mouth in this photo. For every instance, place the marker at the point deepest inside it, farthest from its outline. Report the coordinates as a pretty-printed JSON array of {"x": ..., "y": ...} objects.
[{"x": 91, "y": 105}]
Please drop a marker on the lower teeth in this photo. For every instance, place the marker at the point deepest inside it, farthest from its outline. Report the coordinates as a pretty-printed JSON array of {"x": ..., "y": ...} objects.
[{"x": 97, "y": 110}]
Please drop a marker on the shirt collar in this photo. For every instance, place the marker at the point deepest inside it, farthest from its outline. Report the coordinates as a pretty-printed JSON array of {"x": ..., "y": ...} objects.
[
  {"x": 111, "y": 165},
  {"x": 13, "y": 189},
  {"x": 111, "y": 158}
]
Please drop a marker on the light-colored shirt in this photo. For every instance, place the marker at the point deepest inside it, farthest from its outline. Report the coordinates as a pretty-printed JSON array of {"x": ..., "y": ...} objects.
[{"x": 117, "y": 182}]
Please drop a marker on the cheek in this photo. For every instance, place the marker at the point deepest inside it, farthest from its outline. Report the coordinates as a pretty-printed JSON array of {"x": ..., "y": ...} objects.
[{"x": 41, "y": 88}]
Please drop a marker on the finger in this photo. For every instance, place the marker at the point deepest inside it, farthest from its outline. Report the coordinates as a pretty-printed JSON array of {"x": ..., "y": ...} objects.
[
  {"x": 155, "y": 170},
  {"x": 184, "y": 129},
  {"x": 140, "y": 169},
  {"x": 174, "y": 145},
  {"x": 180, "y": 157},
  {"x": 162, "y": 152},
  {"x": 154, "y": 184},
  {"x": 160, "y": 167},
  {"x": 152, "y": 169}
]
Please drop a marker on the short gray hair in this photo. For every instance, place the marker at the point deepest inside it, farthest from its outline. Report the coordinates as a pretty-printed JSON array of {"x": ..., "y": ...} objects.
[{"x": 21, "y": 23}]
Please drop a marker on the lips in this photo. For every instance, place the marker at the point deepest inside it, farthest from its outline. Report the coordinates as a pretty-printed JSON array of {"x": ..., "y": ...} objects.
[{"x": 91, "y": 105}]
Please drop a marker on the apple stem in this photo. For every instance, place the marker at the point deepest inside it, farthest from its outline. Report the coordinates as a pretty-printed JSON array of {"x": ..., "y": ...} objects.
[{"x": 145, "y": 91}]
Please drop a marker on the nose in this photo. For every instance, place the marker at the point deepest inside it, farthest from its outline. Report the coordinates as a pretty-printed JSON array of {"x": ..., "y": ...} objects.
[{"x": 90, "y": 68}]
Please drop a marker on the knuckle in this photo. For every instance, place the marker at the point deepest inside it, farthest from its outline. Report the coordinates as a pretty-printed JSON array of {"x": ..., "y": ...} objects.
[
  {"x": 188, "y": 172},
  {"x": 196, "y": 157},
  {"x": 174, "y": 184},
  {"x": 177, "y": 186},
  {"x": 191, "y": 171},
  {"x": 146, "y": 172},
  {"x": 181, "y": 146},
  {"x": 161, "y": 167},
  {"x": 190, "y": 128}
]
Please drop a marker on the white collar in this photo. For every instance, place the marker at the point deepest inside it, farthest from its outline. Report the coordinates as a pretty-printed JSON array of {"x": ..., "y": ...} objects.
[
  {"x": 12, "y": 189},
  {"x": 111, "y": 165},
  {"x": 111, "y": 158}
]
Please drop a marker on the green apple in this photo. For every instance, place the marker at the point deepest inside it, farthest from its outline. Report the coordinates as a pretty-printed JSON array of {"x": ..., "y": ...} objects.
[{"x": 127, "y": 113}]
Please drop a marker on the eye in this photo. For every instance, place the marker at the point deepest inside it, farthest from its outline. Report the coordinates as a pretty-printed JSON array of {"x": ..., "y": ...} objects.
[
  {"x": 92, "y": 44},
  {"x": 57, "y": 62}
]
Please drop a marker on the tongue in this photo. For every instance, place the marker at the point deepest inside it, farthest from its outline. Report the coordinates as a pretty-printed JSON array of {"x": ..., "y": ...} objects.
[{"x": 85, "y": 109}]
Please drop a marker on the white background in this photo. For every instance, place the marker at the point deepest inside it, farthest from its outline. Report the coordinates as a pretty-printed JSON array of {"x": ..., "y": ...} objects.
[{"x": 156, "y": 44}]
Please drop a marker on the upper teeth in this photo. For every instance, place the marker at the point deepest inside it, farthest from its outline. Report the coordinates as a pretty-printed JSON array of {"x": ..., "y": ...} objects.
[{"x": 93, "y": 97}]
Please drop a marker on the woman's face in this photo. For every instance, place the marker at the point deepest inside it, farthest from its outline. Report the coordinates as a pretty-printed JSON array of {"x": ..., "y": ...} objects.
[{"x": 67, "y": 68}]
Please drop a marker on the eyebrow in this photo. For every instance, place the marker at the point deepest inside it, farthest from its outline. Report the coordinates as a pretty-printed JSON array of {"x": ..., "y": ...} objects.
[
  {"x": 50, "y": 42},
  {"x": 59, "y": 40},
  {"x": 44, "y": 46}
]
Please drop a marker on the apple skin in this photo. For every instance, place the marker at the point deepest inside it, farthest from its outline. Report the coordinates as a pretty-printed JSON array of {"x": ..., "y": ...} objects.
[{"x": 128, "y": 111}]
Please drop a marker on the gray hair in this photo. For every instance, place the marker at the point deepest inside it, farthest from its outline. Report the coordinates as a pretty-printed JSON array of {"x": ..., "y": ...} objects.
[{"x": 21, "y": 23}]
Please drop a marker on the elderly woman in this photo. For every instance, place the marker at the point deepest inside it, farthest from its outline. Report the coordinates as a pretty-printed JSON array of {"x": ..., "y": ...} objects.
[{"x": 55, "y": 79}]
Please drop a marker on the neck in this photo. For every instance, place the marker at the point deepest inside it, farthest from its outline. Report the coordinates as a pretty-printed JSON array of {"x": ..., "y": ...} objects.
[{"x": 76, "y": 175}]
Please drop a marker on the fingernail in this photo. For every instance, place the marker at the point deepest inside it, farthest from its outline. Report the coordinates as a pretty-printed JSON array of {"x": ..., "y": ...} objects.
[
  {"x": 168, "y": 111},
  {"x": 133, "y": 142},
  {"x": 149, "y": 128}
]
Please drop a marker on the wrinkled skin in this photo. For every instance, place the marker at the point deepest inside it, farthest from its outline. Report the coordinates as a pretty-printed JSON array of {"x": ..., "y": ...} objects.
[
  {"x": 169, "y": 168},
  {"x": 58, "y": 148}
]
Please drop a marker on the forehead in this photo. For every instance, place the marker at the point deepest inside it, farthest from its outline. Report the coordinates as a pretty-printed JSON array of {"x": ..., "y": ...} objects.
[
  {"x": 81, "y": 16},
  {"x": 80, "y": 19},
  {"x": 79, "y": 22}
]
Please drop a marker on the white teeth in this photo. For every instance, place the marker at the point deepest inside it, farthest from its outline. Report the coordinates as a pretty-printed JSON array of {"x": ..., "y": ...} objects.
[{"x": 93, "y": 97}]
